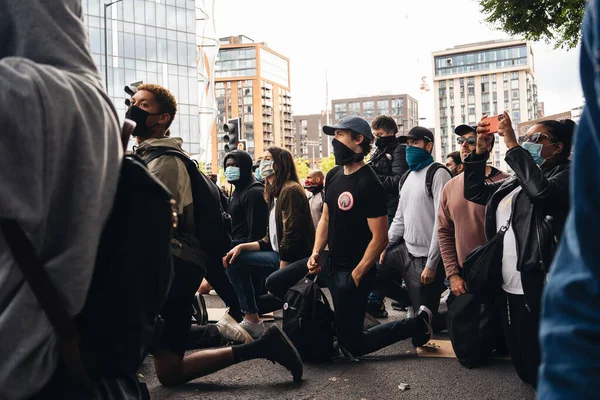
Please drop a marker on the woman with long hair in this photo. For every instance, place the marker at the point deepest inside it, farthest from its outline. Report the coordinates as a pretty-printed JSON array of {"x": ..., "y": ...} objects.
[
  {"x": 290, "y": 237},
  {"x": 531, "y": 208}
]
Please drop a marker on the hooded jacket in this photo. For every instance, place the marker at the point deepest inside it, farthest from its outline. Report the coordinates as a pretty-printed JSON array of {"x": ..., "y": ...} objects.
[
  {"x": 545, "y": 192},
  {"x": 247, "y": 206},
  {"x": 389, "y": 163},
  {"x": 59, "y": 168}
]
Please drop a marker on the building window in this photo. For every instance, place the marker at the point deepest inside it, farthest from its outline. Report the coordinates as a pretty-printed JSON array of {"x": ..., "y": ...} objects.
[
  {"x": 485, "y": 87},
  {"x": 515, "y": 94},
  {"x": 354, "y": 108},
  {"x": 516, "y": 105},
  {"x": 471, "y": 89},
  {"x": 471, "y": 99},
  {"x": 484, "y": 78},
  {"x": 398, "y": 106},
  {"x": 442, "y": 84},
  {"x": 443, "y": 103},
  {"x": 383, "y": 107},
  {"x": 339, "y": 111},
  {"x": 514, "y": 84},
  {"x": 442, "y": 92},
  {"x": 514, "y": 75},
  {"x": 471, "y": 80},
  {"x": 493, "y": 77},
  {"x": 368, "y": 109},
  {"x": 485, "y": 98},
  {"x": 493, "y": 86}
]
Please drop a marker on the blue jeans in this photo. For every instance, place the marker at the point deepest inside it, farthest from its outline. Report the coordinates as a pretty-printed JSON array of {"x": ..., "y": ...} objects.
[
  {"x": 570, "y": 324},
  {"x": 248, "y": 274}
]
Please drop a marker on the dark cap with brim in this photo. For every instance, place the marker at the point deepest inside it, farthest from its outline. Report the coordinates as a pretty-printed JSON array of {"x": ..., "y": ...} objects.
[
  {"x": 464, "y": 129},
  {"x": 420, "y": 133},
  {"x": 351, "y": 123}
]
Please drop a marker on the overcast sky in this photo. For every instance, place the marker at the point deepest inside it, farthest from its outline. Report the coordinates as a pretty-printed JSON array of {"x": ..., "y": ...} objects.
[{"x": 380, "y": 46}]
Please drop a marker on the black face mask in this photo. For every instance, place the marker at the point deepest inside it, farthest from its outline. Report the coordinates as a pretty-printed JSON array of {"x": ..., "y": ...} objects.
[
  {"x": 384, "y": 141},
  {"x": 140, "y": 116},
  {"x": 343, "y": 155}
]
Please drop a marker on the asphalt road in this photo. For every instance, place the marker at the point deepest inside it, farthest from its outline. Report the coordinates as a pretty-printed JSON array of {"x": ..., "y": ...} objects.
[{"x": 376, "y": 376}]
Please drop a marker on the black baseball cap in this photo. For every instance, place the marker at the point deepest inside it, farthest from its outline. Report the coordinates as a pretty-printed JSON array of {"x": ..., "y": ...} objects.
[
  {"x": 351, "y": 123},
  {"x": 420, "y": 133},
  {"x": 464, "y": 129}
]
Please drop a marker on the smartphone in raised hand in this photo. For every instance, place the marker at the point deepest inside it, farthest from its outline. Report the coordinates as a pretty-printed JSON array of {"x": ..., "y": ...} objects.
[{"x": 494, "y": 123}]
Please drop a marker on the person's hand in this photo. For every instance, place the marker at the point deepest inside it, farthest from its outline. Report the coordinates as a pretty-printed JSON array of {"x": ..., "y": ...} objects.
[
  {"x": 506, "y": 130},
  {"x": 427, "y": 276},
  {"x": 314, "y": 263},
  {"x": 231, "y": 256},
  {"x": 484, "y": 139},
  {"x": 457, "y": 285},
  {"x": 382, "y": 256},
  {"x": 356, "y": 277}
]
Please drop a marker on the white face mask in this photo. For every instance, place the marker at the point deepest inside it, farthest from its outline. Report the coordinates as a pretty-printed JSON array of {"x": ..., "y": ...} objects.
[{"x": 266, "y": 168}]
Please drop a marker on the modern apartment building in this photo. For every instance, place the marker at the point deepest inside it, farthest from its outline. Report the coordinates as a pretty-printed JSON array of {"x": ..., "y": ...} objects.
[
  {"x": 310, "y": 141},
  {"x": 151, "y": 42},
  {"x": 479, "y": 79},
  {"x": 252, "y": 82},
  {"x": 402, "y": 107}
]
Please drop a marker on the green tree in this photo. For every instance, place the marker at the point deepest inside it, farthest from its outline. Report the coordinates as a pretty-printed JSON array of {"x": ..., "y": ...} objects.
[
  {"x": 327, "y": 163},
  {"x": 557, "y": 21},
  {"x": 302, "y": 167}
]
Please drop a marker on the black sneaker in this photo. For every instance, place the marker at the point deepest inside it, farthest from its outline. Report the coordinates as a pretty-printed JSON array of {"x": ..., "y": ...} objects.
[
  {"x": 423, "y": 331},
  {"x": 282, "y": 351},
  {"x": 396, "y": 305},
  {"x": 377, "y": 309}
]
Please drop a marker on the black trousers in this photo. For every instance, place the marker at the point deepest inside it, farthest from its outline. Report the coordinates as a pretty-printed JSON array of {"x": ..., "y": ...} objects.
[
  {"x": 350, "y": 304},
  {"x": 521, "y": 328},
  {"x": 389, "y": 280},
  {"x": 218, "y": 279},
  {"x": 279, "y": 282}
]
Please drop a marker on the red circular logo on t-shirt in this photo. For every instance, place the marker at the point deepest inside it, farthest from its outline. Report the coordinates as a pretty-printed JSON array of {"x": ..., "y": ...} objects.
[{"x": 345, "y": 201}]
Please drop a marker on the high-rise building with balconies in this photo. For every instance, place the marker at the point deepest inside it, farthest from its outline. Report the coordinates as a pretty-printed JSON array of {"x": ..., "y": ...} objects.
[
  {"x": 474, "y": 80},
  {"x": 252, "y": 82}
]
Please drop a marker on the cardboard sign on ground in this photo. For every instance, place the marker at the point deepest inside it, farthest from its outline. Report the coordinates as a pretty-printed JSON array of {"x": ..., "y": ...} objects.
[{"x": 443, "y": 348}]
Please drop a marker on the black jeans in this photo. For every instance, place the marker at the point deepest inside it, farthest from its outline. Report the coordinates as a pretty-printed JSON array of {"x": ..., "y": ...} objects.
[
  {"x": 389, "y": 280},
  {"x": 521, "y": 329},
  {"x": 280, "y": 281},
  {"x": 216, "y": 276},
  {"x": 350, "y": 304}
]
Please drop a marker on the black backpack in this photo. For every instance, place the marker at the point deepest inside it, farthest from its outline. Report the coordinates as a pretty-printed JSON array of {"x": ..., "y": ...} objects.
[
  {"x": 212, "y": 222},
  {"x": 119, "y": 322},
  {"x": 309, "y": 321},
  {"x": 428, "y": 178},
  {"x": 474, "y": 329}
]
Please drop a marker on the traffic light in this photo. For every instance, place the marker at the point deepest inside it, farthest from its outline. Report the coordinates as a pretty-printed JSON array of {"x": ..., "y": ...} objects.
[{"x": 232, "y": 134}]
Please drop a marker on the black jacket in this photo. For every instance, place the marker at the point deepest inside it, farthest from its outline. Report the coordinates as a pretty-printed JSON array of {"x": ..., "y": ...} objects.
[
  {"x": 247, "y": 206},
  {"x": 389, "y": 163},
  {"x": 545, "y": 192}
]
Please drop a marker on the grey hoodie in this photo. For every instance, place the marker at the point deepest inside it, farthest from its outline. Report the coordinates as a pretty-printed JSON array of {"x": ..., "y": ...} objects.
[{"x": 59, "y": 165}]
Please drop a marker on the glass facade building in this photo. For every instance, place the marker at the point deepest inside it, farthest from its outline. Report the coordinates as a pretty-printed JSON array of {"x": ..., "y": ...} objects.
[
  {"x": 481, "y": 60},
  {"x": 153, "y": 42}
]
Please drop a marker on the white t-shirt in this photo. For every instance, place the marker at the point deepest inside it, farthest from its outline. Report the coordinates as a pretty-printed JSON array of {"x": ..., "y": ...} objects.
[
  {"x": 511, "y": 278},
  {"x": 273, "y": 228}
]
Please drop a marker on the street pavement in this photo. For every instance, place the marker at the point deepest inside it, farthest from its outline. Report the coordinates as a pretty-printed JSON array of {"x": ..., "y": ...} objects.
[{"x": 376, "y": 376}]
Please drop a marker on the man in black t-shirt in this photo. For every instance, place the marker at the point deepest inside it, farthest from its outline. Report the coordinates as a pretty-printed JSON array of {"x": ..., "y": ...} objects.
[{"x": 354, "y": 226}]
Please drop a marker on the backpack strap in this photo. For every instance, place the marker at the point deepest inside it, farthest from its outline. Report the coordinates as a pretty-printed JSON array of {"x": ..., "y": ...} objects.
[
  {"x": 431, "y": 174},
  {"x": 403, "y": 179},
  {"x": 50, "y": 301}
]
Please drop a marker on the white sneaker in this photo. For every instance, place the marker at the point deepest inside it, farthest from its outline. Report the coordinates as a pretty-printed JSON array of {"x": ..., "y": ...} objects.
[
  {"x": 200, "y": 313},
  {"x": 410, "y": 312},
  {"x": 255, "y": 330},
  {"x": 232, "y": 331},
  {"x": 444, "y": 297}
]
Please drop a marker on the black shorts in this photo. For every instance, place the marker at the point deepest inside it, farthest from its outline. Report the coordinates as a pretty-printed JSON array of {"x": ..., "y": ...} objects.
[{"x": 177, "y": 311}]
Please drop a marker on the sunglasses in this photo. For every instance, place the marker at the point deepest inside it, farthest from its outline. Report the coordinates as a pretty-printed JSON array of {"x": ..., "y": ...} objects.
[
  {"x": 534, "y": 138},
  {"x": 470, "y": 140}
]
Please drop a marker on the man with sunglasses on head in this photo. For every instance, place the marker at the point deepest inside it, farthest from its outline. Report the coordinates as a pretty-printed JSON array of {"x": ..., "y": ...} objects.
[{"x": 461, "y": 222}]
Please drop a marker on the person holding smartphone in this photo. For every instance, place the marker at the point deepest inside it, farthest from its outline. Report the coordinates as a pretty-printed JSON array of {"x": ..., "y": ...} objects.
[{"x": 534, "y": 204}]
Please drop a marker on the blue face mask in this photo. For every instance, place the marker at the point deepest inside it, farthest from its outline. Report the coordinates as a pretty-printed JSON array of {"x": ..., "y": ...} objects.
[
  {"x": 417, "y": 158},
  {"x": 232, "y": 174},
  {"x": 535, "y": 150},
  {"x": 258, "y": 175}
]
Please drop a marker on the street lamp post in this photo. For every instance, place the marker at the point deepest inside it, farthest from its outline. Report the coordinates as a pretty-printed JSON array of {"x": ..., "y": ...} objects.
[{"x": 106, "y": 5}]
